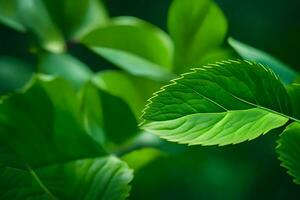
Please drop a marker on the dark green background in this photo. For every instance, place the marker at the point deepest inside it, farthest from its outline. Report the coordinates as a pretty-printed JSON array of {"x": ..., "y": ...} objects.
[{"x": 245, "y": 171}]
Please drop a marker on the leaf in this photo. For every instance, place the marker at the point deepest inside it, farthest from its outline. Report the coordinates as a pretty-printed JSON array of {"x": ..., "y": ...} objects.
[
  {"x": 50, "y": 156},
  {"x": 66, "y": 66},
  {"x": 102, "y": 111},
  {"x": 141, "y": 157},
  {"x": 289, "y": 149},
  {"x": 196, "y": 28},
  {"x": 222, "y": 103},
  {"x": 134, "y": 65},
  {"x": 9, "y": 15},
  {"x": 285, "y": 72},
  {"x": 104, "y": 178},
  {"x": 94, "y": 17},
  {"x": 14, "y": 74},
  {"x": 41, "y": 126},
  {"x": 294, "y": 93},
  {"x": 149, "y": 49},
  {"x": 128, "y": 88},
  {"x": 35, "y": 17},
  {"x": 75, "y": 17}
]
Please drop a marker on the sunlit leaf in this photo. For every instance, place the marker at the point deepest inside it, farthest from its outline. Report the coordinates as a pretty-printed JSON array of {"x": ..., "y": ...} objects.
[
  {"x": 196, "y": 27},
  {"x": 133, "y": 45},
  {"x": 134, "y": 65},
  {"x": 222, "y": 103},
  {"x": 289, "y": 149},
  {"x": 285, "y": 72}
]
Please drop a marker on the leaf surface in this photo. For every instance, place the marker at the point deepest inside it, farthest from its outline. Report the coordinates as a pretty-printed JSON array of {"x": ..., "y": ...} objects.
[
  {"x": 289, "y": 149},
  {"x": 46, "y": 152},
  {"x": 101, "y": 112},
  {"x": 294, "y": 93},
  {"x": 104, "y": 178},
  {"x": 133, "y": 45},
  {"x": 196, "y": 28},
  {"x": 41, "y": 126},
  {"x": 222, "y": 103},
  {"x": 14, "y": 74},
  {"x": 65, "y": 66}
]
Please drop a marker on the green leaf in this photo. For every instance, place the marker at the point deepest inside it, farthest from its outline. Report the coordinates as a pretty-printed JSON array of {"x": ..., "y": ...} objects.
[
  {"x": 44, "y": 121},
  {"x": 289, "y": 149},
  {"x": 14, "y": 74},
  {"x": 94, "y": 179},
  {"x": 112, "y": 116},
  {"x": 128, "y": 88},
  {"x": 285, "y": 72},
  {"x": 9, "y": 14},
  {"x": 75, "y": 17},
  {"x": 141, "y": 157},
  {"x": 95, "y": 16},
  {"x": 294, "y": 93},
  {"x": 50, "y": 155},
  {"x": 35, "y": 18},
  {"x": 222, "y": 103},
  {"x": 150, "y": 49},
  {"x": 66, "y": 66},
  {"x": 196, "y": 27},
  {"x": 134, "y": 65}
]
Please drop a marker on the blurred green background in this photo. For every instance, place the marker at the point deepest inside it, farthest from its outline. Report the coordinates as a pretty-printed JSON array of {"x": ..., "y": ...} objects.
[{"x": 245, "y": 171}]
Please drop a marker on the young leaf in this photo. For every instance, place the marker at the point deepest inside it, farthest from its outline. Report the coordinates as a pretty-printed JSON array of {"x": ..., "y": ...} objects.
[
  {"x": 14, "y": 74},
  {"x": 104, "y": 178},
  {"x": 285, "y": 72},
  {"x": 41, "y": 126},
  {"x": 222, "y": 103},
  {"x": 129, "y": 42},
  {"x": 66, "y": 66},
  {"x": 196, "y": 28},
  {"x": 289, "y": 149}
]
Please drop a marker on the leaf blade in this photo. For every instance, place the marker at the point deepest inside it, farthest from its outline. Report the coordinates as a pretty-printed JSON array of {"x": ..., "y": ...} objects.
[
  {"x": 288, "y": 150},
  {"x": 229, "y": 90},
  {"x": 101, "y": 178},
  {"x": 196, "y": 27}
]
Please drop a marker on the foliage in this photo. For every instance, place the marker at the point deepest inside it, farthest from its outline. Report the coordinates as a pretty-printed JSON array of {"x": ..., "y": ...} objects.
[{"x": 69, "y": 130}]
